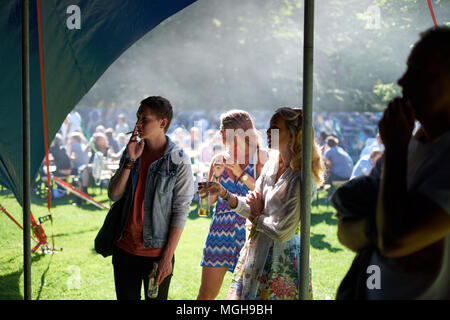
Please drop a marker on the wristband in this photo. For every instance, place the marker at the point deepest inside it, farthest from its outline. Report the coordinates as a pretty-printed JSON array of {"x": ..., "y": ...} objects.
[
  {"x": 127, "y": 157},
  {"x": 244, "y": 177},
  {"x": 226, "y": 197},
  {"x": 129, "y": 164}
]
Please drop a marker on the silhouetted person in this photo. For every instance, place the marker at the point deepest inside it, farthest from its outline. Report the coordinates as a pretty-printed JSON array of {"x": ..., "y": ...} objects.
[{"x": 411, "y": 230}]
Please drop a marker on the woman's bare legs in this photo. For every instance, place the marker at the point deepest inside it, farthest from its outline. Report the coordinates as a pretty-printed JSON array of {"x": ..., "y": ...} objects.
[{"x": 212, "y": 279}]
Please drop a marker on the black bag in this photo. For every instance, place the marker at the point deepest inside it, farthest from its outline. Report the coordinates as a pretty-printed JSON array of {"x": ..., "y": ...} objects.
[
  {"x": 114, "y": 223},
  {"x": 354, "y": 200},
  {"x": 354, "y": 284}
]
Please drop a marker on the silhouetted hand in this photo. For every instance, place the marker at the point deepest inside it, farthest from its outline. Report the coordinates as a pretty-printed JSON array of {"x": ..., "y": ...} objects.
[{"x": 397, "y": 124}]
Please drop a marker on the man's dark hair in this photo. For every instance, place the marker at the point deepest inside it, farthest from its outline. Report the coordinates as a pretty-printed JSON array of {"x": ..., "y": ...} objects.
[
  {"x": 161, "y": 107},
  {"x": 435, "y": 43},
  {"x": 332, "y": 141}
]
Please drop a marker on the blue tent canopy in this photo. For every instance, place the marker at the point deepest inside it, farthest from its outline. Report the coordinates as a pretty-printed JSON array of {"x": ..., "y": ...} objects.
[{"x": 81, "y": 39}]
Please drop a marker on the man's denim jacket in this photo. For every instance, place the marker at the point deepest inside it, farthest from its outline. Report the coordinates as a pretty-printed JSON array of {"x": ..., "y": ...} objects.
[{"x": 168, "y": 194}]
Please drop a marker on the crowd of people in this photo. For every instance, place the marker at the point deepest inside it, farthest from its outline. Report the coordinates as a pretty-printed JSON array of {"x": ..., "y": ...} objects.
[
  {"x": 393, "y": 203},
  {"x": 197, "y": 131},
  {"x": 81, "y": 138},
  {"x": 74, "y": 153}
]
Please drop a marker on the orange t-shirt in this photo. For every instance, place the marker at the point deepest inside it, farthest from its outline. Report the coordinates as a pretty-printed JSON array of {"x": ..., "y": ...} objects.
[{"x": 131, "y": 240}]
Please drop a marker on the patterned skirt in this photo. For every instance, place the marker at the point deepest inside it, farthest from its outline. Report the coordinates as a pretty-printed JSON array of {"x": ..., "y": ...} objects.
[
  {"x": 279, "y": 279},
  {"x": 225, "y": 239}
]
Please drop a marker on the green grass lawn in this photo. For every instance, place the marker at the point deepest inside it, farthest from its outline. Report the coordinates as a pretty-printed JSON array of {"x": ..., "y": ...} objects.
[{"x": 77, "y": 272}]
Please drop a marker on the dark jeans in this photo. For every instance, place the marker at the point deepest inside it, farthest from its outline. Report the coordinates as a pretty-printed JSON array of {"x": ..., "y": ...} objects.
[{"x": 129, "y": 273}]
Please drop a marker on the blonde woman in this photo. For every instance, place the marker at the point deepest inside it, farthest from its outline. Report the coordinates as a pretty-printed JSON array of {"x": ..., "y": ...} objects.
[
  {"x": 267, "y": 267},
  {"x": 234, "y": 170}
]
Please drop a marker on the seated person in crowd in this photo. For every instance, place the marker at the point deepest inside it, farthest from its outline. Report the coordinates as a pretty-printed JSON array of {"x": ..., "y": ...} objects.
[
  {"x": 77, "y": 151},
  {"x": 372, "y": 144},
  {"x": 122, "y": 125},
  {"x": 122, "y": 141},
  {"x": 338, "y": 162},
  {"x": 366, "y": 163},
  {"x": 98, "y": 143},
  {"x": 111, "y": 141},
  {"x": 321, "y": 139},
  {"x": 60, "y": 157}
]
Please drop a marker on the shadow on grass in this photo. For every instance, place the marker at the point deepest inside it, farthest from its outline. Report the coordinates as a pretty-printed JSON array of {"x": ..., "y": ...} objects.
[
  {"x": 329, "y": 217},
  {"x": 11, "y": 285},
  {"x": 58, "y": 235},
  {"x": 317, "y": 242},
  {"x": 43, "y": 277},
  {"x": 93, "y": 252},
  {"x": 41, "y": 200},
  {"x": 322, "y": 198}
]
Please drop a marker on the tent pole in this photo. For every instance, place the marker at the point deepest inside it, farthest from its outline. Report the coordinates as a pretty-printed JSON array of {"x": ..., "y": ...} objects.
[
  {"x": 306, "y": 187},
  {"x": 26, "y": 150}
]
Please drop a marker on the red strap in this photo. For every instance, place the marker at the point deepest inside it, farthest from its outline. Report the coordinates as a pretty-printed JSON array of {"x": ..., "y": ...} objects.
[
  {"x": 430, "y": 6},
  {"x": 37, "y": 229},
  {"x": 9, "y": 216},
  {"x": 44, "y": 109}
]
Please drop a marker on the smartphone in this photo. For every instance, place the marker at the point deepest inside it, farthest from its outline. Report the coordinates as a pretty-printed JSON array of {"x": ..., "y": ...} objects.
[{"x": 205, "y": 184}]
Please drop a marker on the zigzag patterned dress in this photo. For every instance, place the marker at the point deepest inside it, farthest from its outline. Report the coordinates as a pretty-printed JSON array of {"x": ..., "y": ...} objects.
[{"x": 226, "y": 235}]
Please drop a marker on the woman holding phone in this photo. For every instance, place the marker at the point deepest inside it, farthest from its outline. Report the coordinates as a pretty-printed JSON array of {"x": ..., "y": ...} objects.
[
  {"x": 267, "y": 267},
  {"x": 236, "y": 171}
]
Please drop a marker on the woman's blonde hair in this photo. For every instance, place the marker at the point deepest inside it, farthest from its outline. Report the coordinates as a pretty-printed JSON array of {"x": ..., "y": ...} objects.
[
  {"x": 239, "y": 119},
  {"x": 293, "y": 118}
]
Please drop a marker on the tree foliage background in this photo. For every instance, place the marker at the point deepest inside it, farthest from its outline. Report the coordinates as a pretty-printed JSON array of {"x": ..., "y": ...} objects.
[{"x": 248, "y": 54}]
